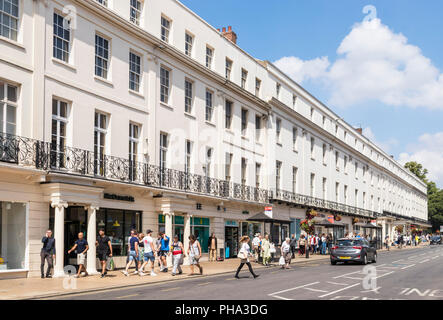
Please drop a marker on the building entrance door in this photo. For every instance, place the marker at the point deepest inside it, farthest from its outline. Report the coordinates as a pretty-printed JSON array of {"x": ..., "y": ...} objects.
[
  {"x": 202, "y": 235},
  {"x": 231, "y": 239}
]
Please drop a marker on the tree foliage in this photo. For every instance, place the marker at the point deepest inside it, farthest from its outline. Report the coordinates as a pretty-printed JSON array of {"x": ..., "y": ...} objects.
[{"x": 435, "y": 195}]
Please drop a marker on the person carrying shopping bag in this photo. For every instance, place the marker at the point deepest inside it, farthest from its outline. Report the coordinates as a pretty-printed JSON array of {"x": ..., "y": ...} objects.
[{"x": 244, "y": 254}]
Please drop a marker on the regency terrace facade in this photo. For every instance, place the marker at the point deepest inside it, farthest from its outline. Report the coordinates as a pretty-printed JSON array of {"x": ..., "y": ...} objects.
[{"x": 139, "y": 114}]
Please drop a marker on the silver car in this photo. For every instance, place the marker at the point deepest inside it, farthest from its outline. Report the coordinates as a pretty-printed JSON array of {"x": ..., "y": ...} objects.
[{"x": 353, "y": 250}]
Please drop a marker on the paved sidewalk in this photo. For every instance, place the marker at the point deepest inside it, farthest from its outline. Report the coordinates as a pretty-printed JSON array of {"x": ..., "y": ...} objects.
[{"x": 39, "y": 288}]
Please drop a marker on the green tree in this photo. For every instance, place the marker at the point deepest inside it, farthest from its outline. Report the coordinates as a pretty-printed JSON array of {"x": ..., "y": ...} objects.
[{"x": 435, "y": 195}]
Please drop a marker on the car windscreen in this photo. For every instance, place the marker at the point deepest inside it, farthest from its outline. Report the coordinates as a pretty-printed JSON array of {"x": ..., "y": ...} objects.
[{"x": 349, "y": 243}]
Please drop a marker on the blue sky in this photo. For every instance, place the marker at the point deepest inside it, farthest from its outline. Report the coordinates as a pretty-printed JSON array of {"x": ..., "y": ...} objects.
[{"x": 406, "y": 122}]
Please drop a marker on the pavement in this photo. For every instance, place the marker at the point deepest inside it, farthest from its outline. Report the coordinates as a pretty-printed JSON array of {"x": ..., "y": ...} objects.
[{"x": 217, "y": 278}]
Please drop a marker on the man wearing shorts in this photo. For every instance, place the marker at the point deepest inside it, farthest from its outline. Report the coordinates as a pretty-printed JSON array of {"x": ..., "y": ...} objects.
[
  {"x": 104, "y": 247},
  {"x": 164, "y": 251},
  {"x": 81, "y": 246},
  {"x": 133, "y": 252},
  {"x": 149, "y": 254}
]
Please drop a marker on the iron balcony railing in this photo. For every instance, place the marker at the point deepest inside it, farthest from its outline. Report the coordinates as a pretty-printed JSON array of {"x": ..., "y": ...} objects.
[
  {"x": 309, "y": 201},
  {"x": 47, "y": 156}
]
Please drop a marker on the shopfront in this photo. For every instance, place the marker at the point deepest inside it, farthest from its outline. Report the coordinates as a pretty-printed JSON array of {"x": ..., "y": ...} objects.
[
  {"x": 116, "y": 223},
  {"x": 199, "y": 228},
  {"x": 13, "y": 236},
  {"x": 231, "y": 238}
]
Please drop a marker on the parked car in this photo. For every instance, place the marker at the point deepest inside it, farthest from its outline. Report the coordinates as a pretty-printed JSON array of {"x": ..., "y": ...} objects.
[
  {"x": 435, "y": 240},
  {"x": 353, "y": 250}
]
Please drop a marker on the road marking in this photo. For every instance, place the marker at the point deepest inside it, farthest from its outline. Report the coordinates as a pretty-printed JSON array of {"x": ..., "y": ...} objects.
[
  {"x": 408, "y": 266},
  {"x": 426, "y": 260},
  {"x": 397, "y": 261},
  {"x": 170, "y": 289},
  {"x": 306, "y": 285},
  {"x": 336, "y": 283},
  {"x": 281, "y": 298},
  {"x": 128, "y": 296},
  {"x": 434, "y": 258},
  {"x": 204, "y": 284},
  {"x": 339, "y": 290},
  {"x": 317, "y": 290}
]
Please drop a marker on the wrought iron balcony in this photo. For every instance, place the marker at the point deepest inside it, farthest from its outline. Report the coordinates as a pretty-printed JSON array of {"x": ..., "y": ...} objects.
[
  {"x": 308, "y": 201},
  {"x": 49, "y": 157}
]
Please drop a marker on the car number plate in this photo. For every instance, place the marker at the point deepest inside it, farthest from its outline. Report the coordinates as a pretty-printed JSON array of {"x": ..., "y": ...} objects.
[{"x": 345, "y": 258}]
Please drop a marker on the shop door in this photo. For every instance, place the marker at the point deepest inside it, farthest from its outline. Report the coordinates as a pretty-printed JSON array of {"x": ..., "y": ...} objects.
[
  {"x": 202, "y": 235},
  {"x": 71, "y": 235},
  {"x": 179, "y": 231},
  {"x": 231, "y": 239}
]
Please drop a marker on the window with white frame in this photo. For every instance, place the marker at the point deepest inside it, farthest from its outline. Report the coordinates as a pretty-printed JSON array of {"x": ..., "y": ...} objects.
[
  {"x": 345, "y": 164},
  {"x": 61, "y": 38},
  {"x": 135, "y": 11},
  {"x": 189, "y": 42},
  {"x": 337, "y": 157},
  {"x": 209, "y": 57},
  {"x": 356, "y": 198},
  {"x": 324, "y": 189},
  {"x": 258, "y": 123},
  {"x": 164, "y": 85},
  {"x": 209, "y": 106},
  {"x": 345, "y": 194},
  {"x": 294, "y": 138},
  {"x": 243, "y": 171},
  {"x": 257, "y": 86},
  {"x": 337, "y": 192},
  {"x": 278, "y": 175},
  {"x": 228, "y": 163},
  {"x": 294, "y": 100},
  {"x": 8, "y": 108},
  {"x": 9, "y": 19},
  {"x": 134, "y": 71},
  {"x": 278, "y": 130},
  {"x": 188, "y": 156},
  {"x": 228, "y": 69},
  {"x": 228, "y": 114},
  {"x": 244, "y": 121},
  {"x": 257, "y": 174},
  {"x": 312, "y": 148},
  {"x": 58, "y": 132},
  {"x": 244, "y": 78},
  {"x": 312, "y": 114},
  {"x": 324, "y": 153},
  {"x": 189, "y": 95},
  {"x": 294, "y": 179},
  {"x": 207, "y": 168},
  {"x": 100, "y": 130},
  {"x": 312, "y": 187},
  {"x": 356, "y": 170},
  {"x": 163, "y": 150},
  {"x": 101, "y": 56},
  {"x": 165, "y": 28},
  {"x": 134, "y": 136}
]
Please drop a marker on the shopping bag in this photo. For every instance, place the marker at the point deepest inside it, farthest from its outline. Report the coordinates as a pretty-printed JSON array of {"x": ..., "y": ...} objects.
[
  {"x": 110, "y": 266},
  {"x": 282, "y": 261}
]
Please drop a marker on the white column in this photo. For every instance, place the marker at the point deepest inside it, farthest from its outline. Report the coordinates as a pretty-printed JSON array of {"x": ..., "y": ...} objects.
[
  {"x": 169, "y": 233},
  {"x": 59, "y": 235},
  {"x": 91, "y": 259},
  {"x": 186, "y": 234}
]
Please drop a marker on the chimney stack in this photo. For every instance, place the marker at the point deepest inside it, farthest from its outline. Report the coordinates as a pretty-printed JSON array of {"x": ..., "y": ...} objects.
[
  {"x": 230, "y": 35},
  {"x": 360, "y": 130}
]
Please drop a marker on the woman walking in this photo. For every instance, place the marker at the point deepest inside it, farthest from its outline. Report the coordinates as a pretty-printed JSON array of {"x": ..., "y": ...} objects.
[
  {"x": 302, "y": 244},
  {"x": 266, "y": 250},
  {"x": 141, "y": 251},
  {"x": 194, "y": 253},
  {"x": 244, "y": 254},
  {"x": 286, "y": 253},
  {"x": 177, "y": 256}
]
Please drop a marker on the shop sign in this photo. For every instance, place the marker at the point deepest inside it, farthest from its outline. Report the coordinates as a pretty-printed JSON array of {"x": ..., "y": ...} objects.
[
  {"x": 231, "y": 223},
  {"x": 118, "y": 197},
  {"x": 374, "y": 222},
  {"x": 331, "y": 218},
  {"x": 268, "y": 211}
]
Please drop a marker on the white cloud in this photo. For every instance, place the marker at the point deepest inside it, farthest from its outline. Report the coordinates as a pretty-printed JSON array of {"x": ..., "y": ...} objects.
[
  {"x": 384, "y": 145},
  {"x": 373, "y": 63},
  {"x": 429, "y": 152}
]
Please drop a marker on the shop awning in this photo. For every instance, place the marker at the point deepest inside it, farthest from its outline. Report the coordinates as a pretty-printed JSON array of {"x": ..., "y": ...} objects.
[
  {"x": 262, "y": 217},
  {"x": 326, "y": 223}
]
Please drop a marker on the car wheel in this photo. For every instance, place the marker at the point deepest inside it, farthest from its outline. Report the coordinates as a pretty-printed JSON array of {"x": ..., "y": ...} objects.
[
  {"x": 333, "y": 262},
  {"x": 375, "y": 258},
  {"x": 365, "y": 260}
]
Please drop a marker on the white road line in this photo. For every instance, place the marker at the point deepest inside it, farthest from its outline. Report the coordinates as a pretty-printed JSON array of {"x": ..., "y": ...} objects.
[
  {"x": 283, "y": 298},
  {"x": 408, "y": 266},
  {"x": 397, "y": 261},
  {"x": 306, "y": 285},
  {"x": 317, "y": 290},
  {"x": 353, "y": 278},
  {"x": 426, "y": 260},
  {"x": 434, "y": 258},
  {"x": 346, "y": 274},
  {"x": 339, "y": 290},
  {"x": 336, "y": 283}
]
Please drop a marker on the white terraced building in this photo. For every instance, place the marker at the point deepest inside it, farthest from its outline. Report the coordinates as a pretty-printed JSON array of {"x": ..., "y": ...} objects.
[{"x": 122, "y": 114}]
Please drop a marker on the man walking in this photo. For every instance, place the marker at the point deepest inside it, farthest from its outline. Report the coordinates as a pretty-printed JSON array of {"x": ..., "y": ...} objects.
[
  {"x": 212, "y": 247},
  {"x": 293, "y": 246},
  {"x": 47, "y": 253},
  {"x": 149, "y": 254},
  {"x": 133, "y": 253},
  {"x": 256, "y": 246},
  {"x": 81, "y": 246},
  {"x": 164, "y": 251},
  {"x": 104, "y": 249}
]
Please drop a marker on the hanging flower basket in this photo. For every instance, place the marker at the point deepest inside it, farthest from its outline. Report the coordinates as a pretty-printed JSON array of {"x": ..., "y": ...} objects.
[
  {"x": 355, "y": 220},
  {"x": 399, "y": 229},
  {"x": 307, "y": 226},
  {"x": 337, "y": 218},
  {"x": 311, "y": 213}
]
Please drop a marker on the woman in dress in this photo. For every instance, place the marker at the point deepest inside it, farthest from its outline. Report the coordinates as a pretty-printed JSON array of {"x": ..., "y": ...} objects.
[
  {"x": 244, "y": 253},
  {"x": 194, "y": 253},
  {"x": 265, "y": 248},
  {"x": 302, "y": 244}
]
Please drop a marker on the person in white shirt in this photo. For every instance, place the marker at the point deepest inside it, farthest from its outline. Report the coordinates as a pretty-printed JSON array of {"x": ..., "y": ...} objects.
[
  {"x": 286, "y": 253},
  {"x": 244, "y": 254},
  {"x": 149, "y": 254},
  {"x": 256, "y": 245}
]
